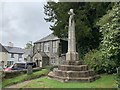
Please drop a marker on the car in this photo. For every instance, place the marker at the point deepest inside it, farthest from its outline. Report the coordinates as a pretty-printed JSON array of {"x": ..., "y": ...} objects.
[
  {"x": 25, "y": 64},
  {"x": 20, "y": 66},
  {"x": 12, "y": 67}
]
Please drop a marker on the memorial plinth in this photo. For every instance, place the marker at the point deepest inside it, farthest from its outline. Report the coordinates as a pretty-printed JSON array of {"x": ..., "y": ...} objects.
[{"x": 73, "y": 69}]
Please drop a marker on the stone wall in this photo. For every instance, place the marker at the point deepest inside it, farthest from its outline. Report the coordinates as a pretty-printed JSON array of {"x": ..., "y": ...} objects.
[{"x": 13, "y": 73}]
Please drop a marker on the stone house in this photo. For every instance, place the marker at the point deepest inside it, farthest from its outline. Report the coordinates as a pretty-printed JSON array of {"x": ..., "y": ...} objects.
[{"x": 52, "y": 48}]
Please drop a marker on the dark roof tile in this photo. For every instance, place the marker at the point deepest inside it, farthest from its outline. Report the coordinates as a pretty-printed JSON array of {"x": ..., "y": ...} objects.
[
  {"x": 14, "y": 49},
  {"x": 50, "y": 37}
]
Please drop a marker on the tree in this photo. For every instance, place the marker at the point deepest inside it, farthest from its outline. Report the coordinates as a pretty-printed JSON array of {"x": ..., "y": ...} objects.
[
  {"x": 29, "y": 45},
  {"x": 87, "y": 33},
  {"x": 110, "y": 44}
]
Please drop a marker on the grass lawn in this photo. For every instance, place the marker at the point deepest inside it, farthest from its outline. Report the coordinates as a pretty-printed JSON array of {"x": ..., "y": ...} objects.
[
  {"x": 24, "y": 77},
  {"x": 106, "y": 81}
]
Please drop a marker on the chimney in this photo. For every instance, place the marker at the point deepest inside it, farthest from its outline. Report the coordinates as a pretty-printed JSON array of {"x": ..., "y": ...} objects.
[{"x": 10, "y": 44}]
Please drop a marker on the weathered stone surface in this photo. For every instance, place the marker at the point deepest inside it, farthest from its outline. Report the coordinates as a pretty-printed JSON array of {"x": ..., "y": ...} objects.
[
  {"x": 72, "y": 56},
  {"x": 73, "y": 67},
  {"x": 73, "y": 79},
  {"x": 74, "y": 73},
  {"x": 29, "y": 70},
  {"x": 71, "y": 62}
]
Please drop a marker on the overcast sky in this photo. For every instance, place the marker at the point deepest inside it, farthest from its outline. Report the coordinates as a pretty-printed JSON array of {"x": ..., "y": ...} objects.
[{"x": 21, "y": 22}]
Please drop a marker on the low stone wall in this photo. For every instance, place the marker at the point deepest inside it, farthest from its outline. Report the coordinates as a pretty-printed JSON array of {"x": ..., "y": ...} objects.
[{"x": 13, "y": 73}]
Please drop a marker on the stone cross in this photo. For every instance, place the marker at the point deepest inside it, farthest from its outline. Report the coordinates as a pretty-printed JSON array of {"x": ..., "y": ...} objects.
[
  {"x": 71, "y": 32},
  {"x": 71, "y": 54}
]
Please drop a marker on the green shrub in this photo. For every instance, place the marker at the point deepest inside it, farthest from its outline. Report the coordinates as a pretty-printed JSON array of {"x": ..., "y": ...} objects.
[
  {"x": 94, "y": 60},
  {"x": 110, "y": 41}
]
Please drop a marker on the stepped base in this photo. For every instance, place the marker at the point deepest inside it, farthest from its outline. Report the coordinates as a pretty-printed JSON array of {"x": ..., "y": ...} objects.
[
  {"x": 74, "y": 71},
  {"x": 73, "y": 79}
]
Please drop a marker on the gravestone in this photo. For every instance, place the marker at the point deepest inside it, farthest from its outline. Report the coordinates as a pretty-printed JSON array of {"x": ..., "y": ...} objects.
[
  {"x": 29, "y": 70},
  {"x": 73, "y": 69}
]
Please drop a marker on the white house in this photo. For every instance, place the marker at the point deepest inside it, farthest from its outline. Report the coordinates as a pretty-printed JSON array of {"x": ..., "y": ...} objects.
[{"x": 15, "y": 54}]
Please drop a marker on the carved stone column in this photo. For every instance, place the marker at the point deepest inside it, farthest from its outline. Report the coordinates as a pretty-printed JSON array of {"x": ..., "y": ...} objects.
[{"x": 71, "y": 55}]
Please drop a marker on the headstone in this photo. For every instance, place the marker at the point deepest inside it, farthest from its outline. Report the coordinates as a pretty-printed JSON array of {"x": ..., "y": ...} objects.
[
  {"x": 29, "y": 70},
  {"x": 73, "y": 69}
]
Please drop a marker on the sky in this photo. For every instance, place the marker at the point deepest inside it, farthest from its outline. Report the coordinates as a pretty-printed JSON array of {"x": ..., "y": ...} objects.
[{"x": 21, "y": 22}]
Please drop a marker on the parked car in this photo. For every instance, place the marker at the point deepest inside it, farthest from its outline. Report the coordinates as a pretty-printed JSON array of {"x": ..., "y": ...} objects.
[{"x": 20, "y": 66}]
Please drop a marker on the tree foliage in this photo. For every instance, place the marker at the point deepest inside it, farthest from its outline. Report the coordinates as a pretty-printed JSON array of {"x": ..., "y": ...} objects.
[
  {"x": 87, "y": 33},
  {"x": 29, "y": 45},
  {"x": 110, "y": 44},
  {"x": 94, "y": 59}
]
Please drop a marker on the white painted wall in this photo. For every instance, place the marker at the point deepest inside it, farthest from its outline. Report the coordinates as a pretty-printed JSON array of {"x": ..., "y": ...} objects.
[{"x": 16, "y": 58}]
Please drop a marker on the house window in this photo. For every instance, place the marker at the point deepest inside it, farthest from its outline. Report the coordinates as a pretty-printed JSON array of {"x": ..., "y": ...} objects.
[
  {"x": 12, "y": 55},
  {"x": 9, "y": 63},
  {"x": 46, "y": 47},
  {"x": 20, "y": 55},
  {"x": 53, "y": 60}
]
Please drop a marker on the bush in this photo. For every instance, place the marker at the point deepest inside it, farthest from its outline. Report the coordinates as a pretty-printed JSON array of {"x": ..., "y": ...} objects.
[
  {"x": 94, "y": 60},
  {"x": 110, "y": 43}
]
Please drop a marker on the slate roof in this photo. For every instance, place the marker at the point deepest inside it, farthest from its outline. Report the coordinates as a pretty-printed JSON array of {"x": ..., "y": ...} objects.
[
  {"x": 16, "y": 50},
  {"x": 50, "y": 37},
  {"x": 43, "y": 54},
  {"x": 2, "y": 49}
]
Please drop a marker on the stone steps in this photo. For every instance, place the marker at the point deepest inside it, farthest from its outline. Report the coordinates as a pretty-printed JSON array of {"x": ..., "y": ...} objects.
[
  {"x": 74, "y": 73},
  {"x": 74, "y": 79},
  {"x": 73, "y": 67}
]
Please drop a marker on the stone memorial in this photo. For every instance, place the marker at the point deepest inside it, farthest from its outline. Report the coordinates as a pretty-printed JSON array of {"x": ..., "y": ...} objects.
[
  {"x": 29, "y": 70},
  {"x": 73, "y": 69}
]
